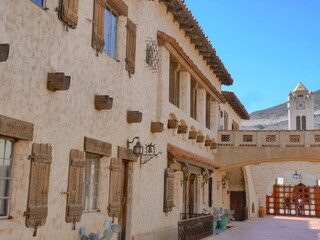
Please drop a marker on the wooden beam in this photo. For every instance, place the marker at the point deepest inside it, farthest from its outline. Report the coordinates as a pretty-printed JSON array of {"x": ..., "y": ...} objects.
[
  {"x": 200, "y": 139},
  {"x": 58, "y": 81},
  {"x": 97, "y": 147},
  {"x": 103, "y": 102},
  {"x": 17, "y": 129},
  {"x": 207, "y": 142},
  {"x": 213, "y": 145},
  {"x": 193, "y": 134},
  {"x": 4, "y": 52},
  {"x": 126, "y": 154},
  {"x": 182, "y": 129},
  {"x": 134, "y": 116},
  {"x": 156, "y": 127},
  {"x": 172, "y": 123}
]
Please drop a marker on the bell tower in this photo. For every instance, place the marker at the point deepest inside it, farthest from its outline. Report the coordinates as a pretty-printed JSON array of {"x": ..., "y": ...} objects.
[{"x": 300, "y": 109}]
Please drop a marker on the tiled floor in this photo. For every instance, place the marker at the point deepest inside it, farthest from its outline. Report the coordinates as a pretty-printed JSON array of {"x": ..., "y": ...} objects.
[{"x": 273, "y": 228}]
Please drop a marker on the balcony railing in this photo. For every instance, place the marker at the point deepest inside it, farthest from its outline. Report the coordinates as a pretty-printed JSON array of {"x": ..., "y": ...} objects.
[
  {"x": 281, "y": 138},
  {"x": 196, "y": 227}
]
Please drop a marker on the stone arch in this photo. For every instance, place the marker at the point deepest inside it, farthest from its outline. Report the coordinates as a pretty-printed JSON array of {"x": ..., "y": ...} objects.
[{"x": 264, "y": 174}]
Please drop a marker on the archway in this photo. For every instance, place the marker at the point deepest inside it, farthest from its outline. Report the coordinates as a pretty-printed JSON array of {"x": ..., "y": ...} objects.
[{"x": 294, "y": 194}]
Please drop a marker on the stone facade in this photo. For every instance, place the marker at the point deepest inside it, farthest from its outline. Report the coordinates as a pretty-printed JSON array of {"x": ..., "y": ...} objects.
[{"x": 40, "y": 43}]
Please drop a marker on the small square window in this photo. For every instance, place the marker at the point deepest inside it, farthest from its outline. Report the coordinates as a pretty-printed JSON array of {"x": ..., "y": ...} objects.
[{"x": 91, "y": 181}]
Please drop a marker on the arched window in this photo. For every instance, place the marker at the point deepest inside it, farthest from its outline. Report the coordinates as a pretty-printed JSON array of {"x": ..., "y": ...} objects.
[
  {"x": 298, "y": 123},
  {"x": 304, "y": 124}
]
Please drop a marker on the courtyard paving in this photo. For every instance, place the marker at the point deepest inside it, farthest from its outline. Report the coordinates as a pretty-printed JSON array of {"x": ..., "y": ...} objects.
[{"x": 272, "y": 228}]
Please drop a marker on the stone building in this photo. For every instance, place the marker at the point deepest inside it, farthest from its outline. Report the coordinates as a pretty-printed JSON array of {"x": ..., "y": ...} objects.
[{"x": 86, "y": 83}]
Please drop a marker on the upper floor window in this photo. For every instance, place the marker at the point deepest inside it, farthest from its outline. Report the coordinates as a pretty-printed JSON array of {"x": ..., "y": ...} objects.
[
  {"x": 110, "y": 32},
  {"x": 39, "y": 2},
  {"x": 174, "y": 83},
  {"x": 5, "y": 176},
  {"x": 304, "y": 124},
  {"x": 208, "y": 117},
  {"x": 91, "y": 180},
  {"x": 226, "y": 121},
  {"x": 193, "y": 99}
]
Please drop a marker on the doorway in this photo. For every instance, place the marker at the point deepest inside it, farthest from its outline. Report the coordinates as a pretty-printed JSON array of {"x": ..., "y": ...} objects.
[
  {"x": 298, "y": 200},
  {"x": 238, "y": 204},
  {"x": 124, "y": 204}
]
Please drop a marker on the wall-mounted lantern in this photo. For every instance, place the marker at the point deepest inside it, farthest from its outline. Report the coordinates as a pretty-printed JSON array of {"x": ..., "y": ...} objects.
[
  {"x": 222, "y": 183},
  {"x": 205, "y": 177},
  {"x": 144, "y": 155}
]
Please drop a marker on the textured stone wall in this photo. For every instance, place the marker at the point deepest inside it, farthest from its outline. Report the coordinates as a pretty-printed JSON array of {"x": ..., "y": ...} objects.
[{"x": 40, "y": 43}]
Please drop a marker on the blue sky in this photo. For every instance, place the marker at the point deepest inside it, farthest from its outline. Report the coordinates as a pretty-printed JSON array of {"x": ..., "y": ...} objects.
[{"x": 268, "y": 46}]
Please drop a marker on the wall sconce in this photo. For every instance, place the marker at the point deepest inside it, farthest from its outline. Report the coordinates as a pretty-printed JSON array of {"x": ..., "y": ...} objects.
[
  {"x": 186, "y": 173},
  {"x": 144, "y": 155},
  {"x": 222, "y": 182},
  {"x": 205, "y": 178}
]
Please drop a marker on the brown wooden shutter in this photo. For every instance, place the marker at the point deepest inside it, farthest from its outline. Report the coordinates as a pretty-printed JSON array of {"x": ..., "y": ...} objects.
[
  {"x": 69, "y": 12},
  {"x": 115, "y": 192},
  {"x": 131, "y": 47},
  {"x": 98, "y": 25},
  {"x": 37, "y": 207},
  {"x": 168, "y": 190},
  {"x": 75, "y": 186}
]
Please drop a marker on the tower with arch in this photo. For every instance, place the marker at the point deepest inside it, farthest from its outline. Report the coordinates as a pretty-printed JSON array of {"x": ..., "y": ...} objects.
[{"x": 300, "y": 109}]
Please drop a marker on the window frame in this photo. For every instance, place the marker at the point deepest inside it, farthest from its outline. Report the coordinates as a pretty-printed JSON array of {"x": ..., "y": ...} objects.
[
  {"x": 108, "y": 25},
  {"x": 90, "y": 157},
  {"x": 7, "y": 208},
  {"x": 43, "y": 5}
]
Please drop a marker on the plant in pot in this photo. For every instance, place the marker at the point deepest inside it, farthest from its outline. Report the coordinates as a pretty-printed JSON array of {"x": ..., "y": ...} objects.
[{"x": 226, "y": 216}]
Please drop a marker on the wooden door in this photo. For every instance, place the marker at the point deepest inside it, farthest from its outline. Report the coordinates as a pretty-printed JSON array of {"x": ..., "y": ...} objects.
[
  {"x": 192, "y": 197},
  {"x": 124, "y": 193},
  {"x": 238, "y": 204}
]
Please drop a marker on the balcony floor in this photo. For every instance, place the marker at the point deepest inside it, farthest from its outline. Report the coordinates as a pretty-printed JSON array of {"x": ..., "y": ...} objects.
[{"x": 272, "y": 228}]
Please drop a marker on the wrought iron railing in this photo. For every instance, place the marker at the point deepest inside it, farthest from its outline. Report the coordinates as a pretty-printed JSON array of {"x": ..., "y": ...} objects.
[{"x": 195, "y": 228}]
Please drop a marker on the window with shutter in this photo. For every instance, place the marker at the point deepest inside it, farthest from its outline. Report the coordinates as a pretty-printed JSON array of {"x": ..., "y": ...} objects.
[
  {"x": 91, "y": 182},
  {"x": 37, "y": 207},
  {"x": 131, "y": 47},
  {"x": 5, "y": 176},
  {"x": 168, "y": 190},
  {"x": 68, "y": 12},
  {"x": 115, "y": 189},
  {"x": 98, "y": 25},
  {"x": 75, "y": 186}
]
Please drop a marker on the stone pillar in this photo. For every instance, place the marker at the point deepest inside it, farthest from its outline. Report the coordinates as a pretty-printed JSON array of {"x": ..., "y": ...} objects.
[
  {"x": 214, "y": 116},
  {"x": 185, "y": 85},
  {"x": 201, "y": 106},
  {"x": 163, "y": 82}
]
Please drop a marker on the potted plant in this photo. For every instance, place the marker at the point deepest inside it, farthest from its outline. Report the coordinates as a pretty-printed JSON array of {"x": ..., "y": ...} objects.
[{"x": 226, "y": 216}]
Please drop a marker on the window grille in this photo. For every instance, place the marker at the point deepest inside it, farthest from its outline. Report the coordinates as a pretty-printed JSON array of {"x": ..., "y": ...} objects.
[
  {"x": 152, "y": 54},
  {"x": 294, "y": 138},
  {"x": 225, "y": 138},
  {"x": 317, "y": 138},
  {"x": 270, "y": 138},
  {"x": 247, "y": 138}
]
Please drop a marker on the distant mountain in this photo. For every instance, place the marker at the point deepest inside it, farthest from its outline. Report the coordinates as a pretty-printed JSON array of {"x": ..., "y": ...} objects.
[{"x": 276, "y": 118}]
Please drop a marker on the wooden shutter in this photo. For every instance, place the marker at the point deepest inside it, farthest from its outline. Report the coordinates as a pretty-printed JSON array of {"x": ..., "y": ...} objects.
[
  {"x": 75, "y": 186},
  {"x": 69, "y": 12},
  {"x": 37, "y": 207},
  {"x": 131, "y": 47},
  {"x": 98, "y": 25},
  {"x": 168, "y": 190},
  {"x": 115, "y": 190}
]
